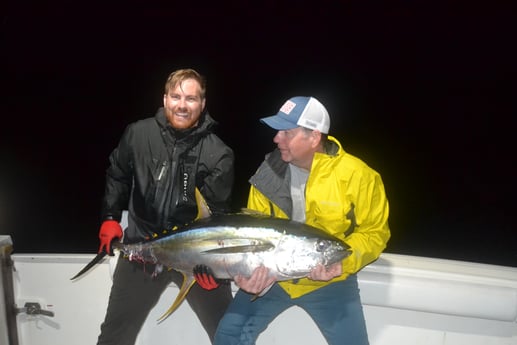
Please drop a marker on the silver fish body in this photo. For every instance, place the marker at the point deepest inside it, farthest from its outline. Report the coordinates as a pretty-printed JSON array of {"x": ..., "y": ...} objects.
[{"x": 235, "y": 244}]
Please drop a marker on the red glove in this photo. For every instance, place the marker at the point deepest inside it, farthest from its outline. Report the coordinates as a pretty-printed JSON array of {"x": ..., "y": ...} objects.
[
  {"x": 110, "y": 229},
  {"x": 205, "y": 278}
]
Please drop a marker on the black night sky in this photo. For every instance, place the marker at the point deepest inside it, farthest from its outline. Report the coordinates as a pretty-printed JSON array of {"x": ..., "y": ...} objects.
[{"x": 423, "y": 91}]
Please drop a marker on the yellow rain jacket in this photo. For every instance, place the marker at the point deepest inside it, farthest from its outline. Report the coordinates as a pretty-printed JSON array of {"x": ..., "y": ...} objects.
[{"x": 344, "y": 197}]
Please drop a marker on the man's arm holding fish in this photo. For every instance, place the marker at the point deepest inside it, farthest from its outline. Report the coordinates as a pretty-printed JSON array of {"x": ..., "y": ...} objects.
[
  {"x": 118, "y": 184},
  {"x": 260, "y": 280},
  {"x": 258, "y": 283}
]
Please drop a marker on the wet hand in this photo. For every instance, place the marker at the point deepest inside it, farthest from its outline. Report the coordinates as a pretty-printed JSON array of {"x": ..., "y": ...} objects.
[
  {"x": 323, "y": 273},
  {"x": 257, "y": 282}
]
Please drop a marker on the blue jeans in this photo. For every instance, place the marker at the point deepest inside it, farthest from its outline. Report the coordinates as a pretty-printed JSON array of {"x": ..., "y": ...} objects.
[{"x": 336, "y": 309}]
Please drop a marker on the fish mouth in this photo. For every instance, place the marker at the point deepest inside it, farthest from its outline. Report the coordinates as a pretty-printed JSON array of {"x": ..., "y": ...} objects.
[
  {"x": 334, "y": 251},
  {"x": 345, "y": 254},
  {"x": 340, "y": 255}
]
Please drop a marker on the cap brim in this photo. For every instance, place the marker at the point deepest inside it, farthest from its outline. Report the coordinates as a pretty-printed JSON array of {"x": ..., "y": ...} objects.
[{"x": 278, "y": 123}]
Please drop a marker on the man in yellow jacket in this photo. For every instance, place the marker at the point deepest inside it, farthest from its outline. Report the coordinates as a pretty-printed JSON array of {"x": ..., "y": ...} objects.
[{"x": 311, "y": 179}]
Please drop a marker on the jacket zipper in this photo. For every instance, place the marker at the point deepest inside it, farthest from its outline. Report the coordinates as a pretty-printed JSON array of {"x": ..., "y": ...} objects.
[{"x": 162, "y": 171}]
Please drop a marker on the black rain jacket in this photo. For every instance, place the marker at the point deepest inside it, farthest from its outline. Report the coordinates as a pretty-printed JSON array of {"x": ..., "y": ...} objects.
[{"x": 154, "y": 171}]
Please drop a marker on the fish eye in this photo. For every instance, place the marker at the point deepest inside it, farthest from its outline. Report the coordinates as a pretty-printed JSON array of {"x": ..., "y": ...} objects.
[{"x": 322, "y": 245}]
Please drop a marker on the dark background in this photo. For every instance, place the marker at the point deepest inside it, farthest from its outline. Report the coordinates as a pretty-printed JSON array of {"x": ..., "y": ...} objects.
[{"x": 423, "y": 91}]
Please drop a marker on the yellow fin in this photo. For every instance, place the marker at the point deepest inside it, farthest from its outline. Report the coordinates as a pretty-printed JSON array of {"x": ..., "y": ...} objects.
[
  {"x": 203, "y": 211},
  {"x": 188, "y": 281}
]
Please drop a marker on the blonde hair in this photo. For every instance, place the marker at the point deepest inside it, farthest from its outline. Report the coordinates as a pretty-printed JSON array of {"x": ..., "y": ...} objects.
[{"x": 179, "y": 76}]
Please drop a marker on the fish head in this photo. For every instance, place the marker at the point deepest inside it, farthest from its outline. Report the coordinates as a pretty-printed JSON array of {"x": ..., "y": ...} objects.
[
  {"x": 331, "y": 251},
  {"x": 296, "y": 256}
]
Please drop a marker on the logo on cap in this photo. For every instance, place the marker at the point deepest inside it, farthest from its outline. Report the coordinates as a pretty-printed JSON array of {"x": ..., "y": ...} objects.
[{"x": 288, "y": 107}]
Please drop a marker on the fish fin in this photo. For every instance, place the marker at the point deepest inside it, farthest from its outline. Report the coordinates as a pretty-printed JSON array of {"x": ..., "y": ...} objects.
[
  {"x": 203, "y": 211},
  {"x": 188, "y": 281},
  {"x": 241, "y": 249}
]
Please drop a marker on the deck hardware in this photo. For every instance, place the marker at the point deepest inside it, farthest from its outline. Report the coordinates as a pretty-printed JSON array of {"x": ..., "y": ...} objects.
[{"x": 34, "y": 308}]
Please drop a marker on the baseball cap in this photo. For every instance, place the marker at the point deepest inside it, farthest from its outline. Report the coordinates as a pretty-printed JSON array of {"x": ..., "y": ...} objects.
[{"x": 301, "y": 111}]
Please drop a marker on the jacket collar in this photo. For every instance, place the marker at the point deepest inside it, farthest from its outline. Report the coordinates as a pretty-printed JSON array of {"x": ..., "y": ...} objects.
[{"x": 206, "y": 124}]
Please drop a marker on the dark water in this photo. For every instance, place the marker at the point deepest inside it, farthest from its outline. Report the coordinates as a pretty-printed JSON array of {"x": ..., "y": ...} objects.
[{"x": 424, "y": 93}]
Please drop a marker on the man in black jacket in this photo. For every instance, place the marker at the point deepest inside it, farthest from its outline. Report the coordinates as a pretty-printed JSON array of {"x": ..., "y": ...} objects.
[{"x": 153, "y": 174}]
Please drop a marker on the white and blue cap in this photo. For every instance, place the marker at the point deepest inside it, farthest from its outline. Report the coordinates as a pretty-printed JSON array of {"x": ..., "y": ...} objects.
[{"x": 301, "y": 111}]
